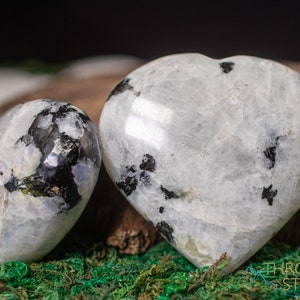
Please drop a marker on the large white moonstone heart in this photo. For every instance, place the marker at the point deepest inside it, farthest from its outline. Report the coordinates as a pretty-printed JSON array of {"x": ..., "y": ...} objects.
[
  {"x": 49, "y": 164},
  {"x": 208, "y": 151}
]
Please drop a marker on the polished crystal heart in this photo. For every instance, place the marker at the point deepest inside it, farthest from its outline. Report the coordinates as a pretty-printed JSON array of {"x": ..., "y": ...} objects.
[
  {"x": 208, "y": 151},
  {"x": 49, "y": 164}
]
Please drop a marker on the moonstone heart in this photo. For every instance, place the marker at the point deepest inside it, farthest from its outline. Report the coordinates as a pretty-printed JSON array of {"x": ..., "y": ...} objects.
[
  {"x": 49, "y": 164},
  {"x": 208, "y": 151}
]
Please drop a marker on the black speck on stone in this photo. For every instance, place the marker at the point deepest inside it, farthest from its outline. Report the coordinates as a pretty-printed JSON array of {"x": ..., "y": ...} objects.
[
  {"x": 269, "y": 194},
  {"x": 226, "y": 66},
  {"x": 12, "y": 184},
  {"x": 128, "y": 181},
  {"x": 166, "y": 231},
  {"x": 130, "y": 170},
  {"x": 148, "y": 163},
  {"x": 120, "y": 88},
  {"x": 145, "y": 178},
  {"x": 168, "y": 194},
  {"x": 270, "y": 152},
  {"x": 161, "y": 209}
]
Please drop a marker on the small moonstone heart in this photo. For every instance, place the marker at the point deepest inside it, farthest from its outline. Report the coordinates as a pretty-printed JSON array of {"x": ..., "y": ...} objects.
[
  {"x": 208, "y": 151},
  {"x": 49, "y": 164}
]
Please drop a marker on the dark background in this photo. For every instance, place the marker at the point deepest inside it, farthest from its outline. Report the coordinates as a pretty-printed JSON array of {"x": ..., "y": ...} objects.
[{"x": 56, "y": 31}]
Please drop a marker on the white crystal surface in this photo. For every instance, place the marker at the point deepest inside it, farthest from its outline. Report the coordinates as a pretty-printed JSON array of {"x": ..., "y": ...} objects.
[
  {"x": 208, "y": 151},
  {"x": 49, "y": 164}
]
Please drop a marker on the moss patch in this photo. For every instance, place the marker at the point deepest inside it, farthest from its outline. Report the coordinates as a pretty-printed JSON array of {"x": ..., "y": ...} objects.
[{"x": 81, "y": 269}]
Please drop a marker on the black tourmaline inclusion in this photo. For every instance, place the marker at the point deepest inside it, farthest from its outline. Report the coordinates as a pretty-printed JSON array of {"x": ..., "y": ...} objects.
[
  {"x": 271, "y": 151},
  {"x": 53, "y": 180},
  {"x": 226, "y": 66},
  {"x": 130, "y": 178},
  {"x": 168, "y": 194},
  {"x": 128, "y": 182},
  {"x": 166, "y": 230},
  {"x": 148, "y": 163},
  {"x": 121, "y": 87},
  {"x": 269, "y": 194}
]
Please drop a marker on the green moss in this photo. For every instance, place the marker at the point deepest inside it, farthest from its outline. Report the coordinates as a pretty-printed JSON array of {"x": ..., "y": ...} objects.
[{"x": 81, "y": 269}]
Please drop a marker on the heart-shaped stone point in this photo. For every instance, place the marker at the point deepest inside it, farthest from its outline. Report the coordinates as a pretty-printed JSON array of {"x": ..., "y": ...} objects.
[
  {"x": 208, "y": 151},
  {"x": 49, "y": 165}
]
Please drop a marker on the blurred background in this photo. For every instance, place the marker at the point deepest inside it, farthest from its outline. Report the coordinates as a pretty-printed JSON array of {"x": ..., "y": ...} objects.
[{"x": 60, "y": 31}]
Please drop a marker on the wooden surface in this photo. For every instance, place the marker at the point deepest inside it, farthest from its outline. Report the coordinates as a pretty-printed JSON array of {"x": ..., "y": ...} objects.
[{"x": 108, "y": 213}]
